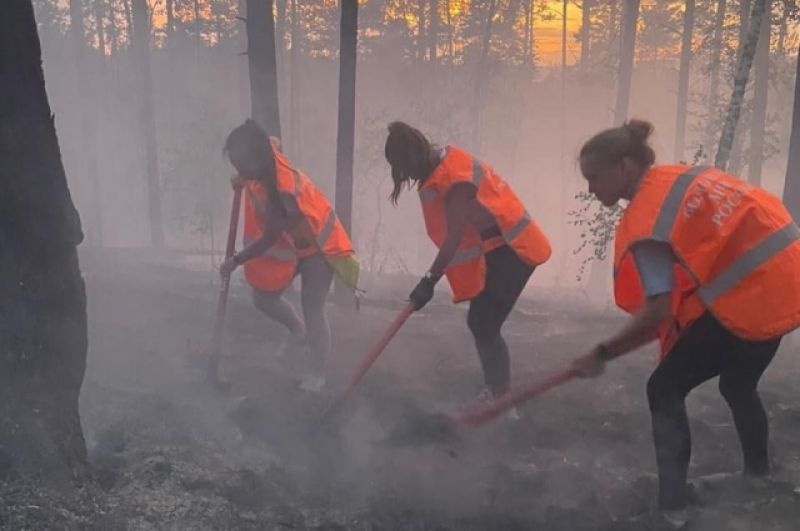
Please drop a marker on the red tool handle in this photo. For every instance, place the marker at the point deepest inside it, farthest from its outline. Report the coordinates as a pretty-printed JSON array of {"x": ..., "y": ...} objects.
[
  {"x": 376, "y": 351},
  {"x": 476, "y": 416},
  {"x": 222, "y": 301}
]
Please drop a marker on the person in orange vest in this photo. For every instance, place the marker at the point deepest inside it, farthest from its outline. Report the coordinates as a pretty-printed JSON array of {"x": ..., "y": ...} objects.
[
  {"x": 289, "y": 229},
  {"x": 708, "y": 264},
  {"x": 488, "y": 243}
]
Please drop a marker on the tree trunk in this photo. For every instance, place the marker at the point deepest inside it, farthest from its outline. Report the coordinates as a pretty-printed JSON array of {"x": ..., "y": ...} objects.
[
  {"x": 480, "y": 77},
  {"x": 170, "y": 30},
  {"x": 43, "y": 308},
  {"x": 714, "y": 67},
  {"x": 126, "y": 4},
  {"x": 527, "y": 35},
  {"x": 716, "y": 50},
  {"x": 783, "y": 28},
  {"x": 739, "y": 84},
  {"x": 612, "y": 23},
  {"x": 791, "y": 190},
  {"x": 147, "y": 115},
  {"x": 421, "y": 41},
  {"x": 263, "y": 66},
  {"x": 630, "y": 19},
  {"x": 683, "y": 80},
  {"x": 87, "y": 141},
  {"x": 745, "y": 6},
  {"x": 760, "y": 94},
  {"x": 564, "y": 4},
  {"x": 586, "y": 22},
  {"x": 100, "y": 16},
  {"x": 433, "y": 32},
  {"x": 294, "y": 83},
  {"x": 348, "y": 52},
  {"x": 450, "y": 34}
]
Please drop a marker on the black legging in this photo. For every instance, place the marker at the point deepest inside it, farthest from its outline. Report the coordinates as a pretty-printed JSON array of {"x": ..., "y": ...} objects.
[
  {"x": 707, "y": 350},
  {"x": 506, "y": 276}
]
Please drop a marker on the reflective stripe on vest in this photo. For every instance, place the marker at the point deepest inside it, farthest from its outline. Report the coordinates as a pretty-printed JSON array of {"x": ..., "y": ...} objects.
[
  {"x": 468, "y": 254},
  {"x": 517, "y": 229},
  {"x": 428, "y": 194},
  {"x": 327, "y": 229},
  {"x": 477, "y": 172},
  {"x": 672, "y": 203},
  {"x": 749, "y": 262}
]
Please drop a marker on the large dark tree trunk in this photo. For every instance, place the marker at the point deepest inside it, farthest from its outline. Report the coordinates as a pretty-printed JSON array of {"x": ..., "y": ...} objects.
[
  {"x": 147, "y": 116},
  {"x": 263, "y": 66},
  {"x": 739, "y": 85},
  {"x": 345, "y": 138},
  {"x": 760, "y": 93},
  {"x": 625, "y": 73},
  {"x": 42, "y": 296},
  {"x": 791, "y": 190},
  {"x": 683, "y": 80},
  {"x": 87, "y": 139}
]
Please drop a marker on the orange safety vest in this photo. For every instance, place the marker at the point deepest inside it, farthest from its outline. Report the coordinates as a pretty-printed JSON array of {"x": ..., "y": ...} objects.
[
  {"x": 737, "y": 249},
  {"x": 275, "y": 268},
  {"x": 466, "y": 273}
]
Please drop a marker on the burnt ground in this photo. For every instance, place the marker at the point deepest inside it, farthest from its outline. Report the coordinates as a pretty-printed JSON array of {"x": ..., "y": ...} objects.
[{"x": 168, "y": 452}]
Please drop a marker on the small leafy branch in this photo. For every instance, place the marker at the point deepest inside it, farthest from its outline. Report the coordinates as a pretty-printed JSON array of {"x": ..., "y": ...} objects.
[{"x": 597, "y": 224}]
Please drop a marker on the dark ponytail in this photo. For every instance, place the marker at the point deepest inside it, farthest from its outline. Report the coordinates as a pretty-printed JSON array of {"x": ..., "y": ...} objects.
[
  {"x": 408, "y": 152},
  {"x": 630, "y": 140}
]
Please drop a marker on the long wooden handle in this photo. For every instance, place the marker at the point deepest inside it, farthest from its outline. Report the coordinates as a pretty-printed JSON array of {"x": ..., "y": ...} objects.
[
  {"x": 222, "y": 300},
  {"x": 476, "y": 416},
  {"x": 376, "y": 351}
]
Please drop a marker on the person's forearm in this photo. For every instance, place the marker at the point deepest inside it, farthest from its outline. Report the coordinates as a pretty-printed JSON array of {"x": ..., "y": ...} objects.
[
  {"x": 639, "y": 330},
  {"x": 258, "y": 247},
  {"x": 443, "y": 258}
]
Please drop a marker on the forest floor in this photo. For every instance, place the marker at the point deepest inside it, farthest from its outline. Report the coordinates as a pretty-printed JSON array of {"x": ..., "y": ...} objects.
[{"x": 169, "y": 452}]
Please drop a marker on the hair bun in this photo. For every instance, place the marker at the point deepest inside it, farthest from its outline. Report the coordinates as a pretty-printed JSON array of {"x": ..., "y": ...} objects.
[{"x": 640, "y": 130}]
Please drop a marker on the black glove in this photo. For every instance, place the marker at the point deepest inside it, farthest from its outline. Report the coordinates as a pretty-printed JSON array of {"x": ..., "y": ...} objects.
[{"x": 423, "y": 293}]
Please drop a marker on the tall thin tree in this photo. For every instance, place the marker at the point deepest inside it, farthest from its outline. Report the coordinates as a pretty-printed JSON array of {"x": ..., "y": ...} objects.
[
  {"x": 625, "y": 71},
  {"x": 585, "y": 35},
  {"x": 43, "y": 329},
  {"x": 758, "y": 121},
  {"x": 147, "y": 117},
  {"x": 742, "y": 74},
  {"x": 791, "y": 189},
  {"x": 345, "y": 138},
  {"x": 683, "y": 79}
]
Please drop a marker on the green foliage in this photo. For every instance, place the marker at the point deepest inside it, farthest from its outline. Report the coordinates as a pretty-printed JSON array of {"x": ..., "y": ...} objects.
[{"x": 597, "y": 225}]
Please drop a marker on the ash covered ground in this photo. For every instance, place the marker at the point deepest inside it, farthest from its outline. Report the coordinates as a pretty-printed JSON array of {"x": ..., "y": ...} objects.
[{"x": 169, "y": 452}]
